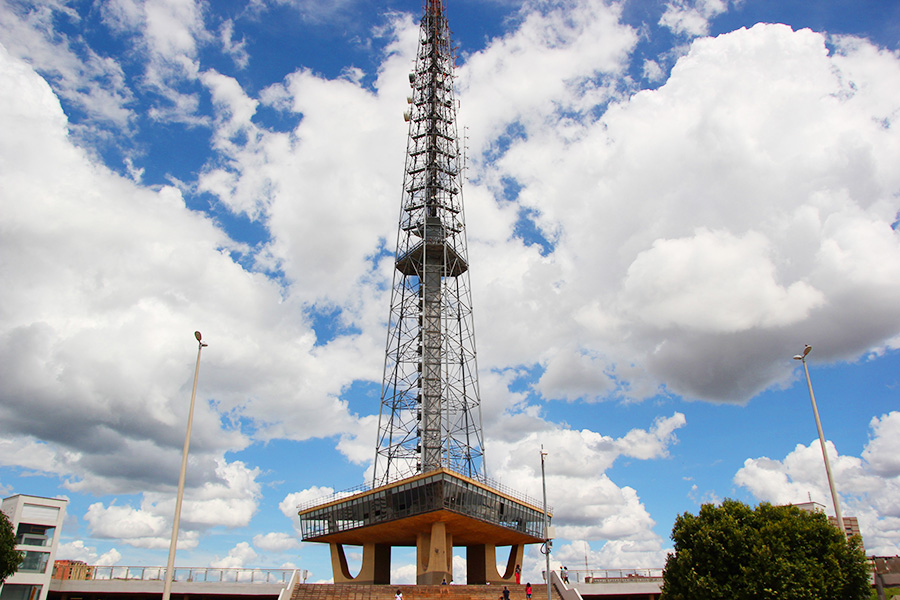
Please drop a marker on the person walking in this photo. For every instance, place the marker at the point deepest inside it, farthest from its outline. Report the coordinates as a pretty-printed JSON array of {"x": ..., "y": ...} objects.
[
  {"x": 505, "y": 593},
  {"x": 528, "y": 591}
]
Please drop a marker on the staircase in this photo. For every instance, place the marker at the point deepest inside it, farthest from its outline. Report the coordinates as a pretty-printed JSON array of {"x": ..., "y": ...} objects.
[{"x": 344, "y": 591}]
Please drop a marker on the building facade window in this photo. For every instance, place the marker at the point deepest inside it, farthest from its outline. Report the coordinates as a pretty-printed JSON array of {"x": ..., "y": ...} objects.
[
  {"x": 34, "y": 562},
  {"x": 29, "y": 534},
  {"x": 20, "y": 592}
]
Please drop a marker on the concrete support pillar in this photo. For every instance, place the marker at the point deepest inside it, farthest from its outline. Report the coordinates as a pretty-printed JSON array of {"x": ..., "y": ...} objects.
[
  {"x": 476, "y": 564},
  {"x": 434, "y": 555},
  {"x": 376, "y": 565},
  {"x": 381, "y": 558},
  {"x": 516, "y": 554},
  {"x": 481, "y": 564}
]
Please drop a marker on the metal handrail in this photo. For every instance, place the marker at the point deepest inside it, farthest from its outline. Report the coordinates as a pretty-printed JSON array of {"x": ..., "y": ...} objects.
[
  {"x": 184, "y": 574},
  {"x": 613, "y": 575},
  {"x": 365, "y": 487}
]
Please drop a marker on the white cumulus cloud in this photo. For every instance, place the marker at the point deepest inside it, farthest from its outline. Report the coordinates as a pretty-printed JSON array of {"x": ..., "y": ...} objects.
[{"x": 237, "y": 557}]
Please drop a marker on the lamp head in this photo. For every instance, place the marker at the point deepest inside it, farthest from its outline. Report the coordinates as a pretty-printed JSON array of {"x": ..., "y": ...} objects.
[
  {"x": 198, "y": 336},
  {"x": 803, "y": 355}
]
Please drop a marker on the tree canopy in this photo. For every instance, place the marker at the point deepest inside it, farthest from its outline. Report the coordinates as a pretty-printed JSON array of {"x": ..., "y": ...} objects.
[
  {"x": 10, "y": 558},
  {"x": 735, "y": 552}
]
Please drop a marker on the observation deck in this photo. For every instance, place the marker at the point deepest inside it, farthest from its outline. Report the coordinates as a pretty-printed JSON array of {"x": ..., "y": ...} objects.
[{"x": 434, "y": 512}]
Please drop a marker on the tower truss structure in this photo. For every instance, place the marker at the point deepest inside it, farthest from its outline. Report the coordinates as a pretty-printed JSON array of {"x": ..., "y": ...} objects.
[
  {"x": 429, "y": 489},
  {"x": 430, "y": 413}
]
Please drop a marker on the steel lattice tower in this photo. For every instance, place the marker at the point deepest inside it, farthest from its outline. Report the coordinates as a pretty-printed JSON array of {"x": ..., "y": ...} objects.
[
  {"x": 430, "y": 413},
  {"x": 429, "y": 487}
]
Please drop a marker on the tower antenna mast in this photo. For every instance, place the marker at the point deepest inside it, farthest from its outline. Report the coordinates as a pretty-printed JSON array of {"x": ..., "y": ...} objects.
[
  {"x": 429, "y": 486},
  {"x": 430, "y": 414}
]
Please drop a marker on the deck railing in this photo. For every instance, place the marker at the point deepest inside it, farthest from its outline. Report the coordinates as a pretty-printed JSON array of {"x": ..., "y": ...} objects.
[
  {"x": 365, "y": 487},
  {"x": 189, "y": 574},
  {"x": 613, "y": 575}
]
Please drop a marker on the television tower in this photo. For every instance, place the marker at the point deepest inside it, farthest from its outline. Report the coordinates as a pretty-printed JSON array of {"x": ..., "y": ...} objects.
[
  {"x": 429, "y": 488},
  {"x": 430, "y": 410}
]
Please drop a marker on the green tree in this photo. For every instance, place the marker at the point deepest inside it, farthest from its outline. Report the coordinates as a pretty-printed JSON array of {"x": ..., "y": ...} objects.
[
  {"x": 735, "y": 552},
  {"x": 10, "y": 558}
]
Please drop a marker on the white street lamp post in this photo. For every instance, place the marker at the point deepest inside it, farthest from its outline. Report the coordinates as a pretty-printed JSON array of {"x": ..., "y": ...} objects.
[
  {"x": 812, "y": 397},
  {"x": 170, "y": 566},
  {"x": 546, "y": 525}
]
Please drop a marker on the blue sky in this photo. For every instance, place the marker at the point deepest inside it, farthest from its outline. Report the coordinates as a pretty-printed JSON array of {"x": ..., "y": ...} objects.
[{"x": 665, "y": 202}]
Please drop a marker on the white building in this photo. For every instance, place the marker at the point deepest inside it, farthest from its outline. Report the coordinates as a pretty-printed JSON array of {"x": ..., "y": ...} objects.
[
  {"x": 37, "y": 522},
  {"x": 851, "y": 524}
]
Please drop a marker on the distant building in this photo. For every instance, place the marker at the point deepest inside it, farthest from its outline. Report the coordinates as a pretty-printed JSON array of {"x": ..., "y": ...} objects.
[
  {"x": 37, "y": 522},
  {"x": 72, "y": 569},
  {"x": 851, "y": 525},
  {"x": 887, "y": 570}
]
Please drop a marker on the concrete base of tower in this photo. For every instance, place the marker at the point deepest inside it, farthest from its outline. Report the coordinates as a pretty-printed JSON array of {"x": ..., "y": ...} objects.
[
  {"x": 376, "y": 565},
  {"x": 434, "y": 555},
  {"x": 481, "y": 564},
  {"x": 434, "y": 512},
  {"x": 434, "y": 561}
]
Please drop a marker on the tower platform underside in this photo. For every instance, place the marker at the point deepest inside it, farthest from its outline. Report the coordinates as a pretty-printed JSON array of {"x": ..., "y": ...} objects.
[{"x": 434, "y": 512}]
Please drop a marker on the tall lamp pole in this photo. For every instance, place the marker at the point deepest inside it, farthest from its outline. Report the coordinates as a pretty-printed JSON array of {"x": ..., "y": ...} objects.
[
  {"x": 547, "y": 541},
  {"x": 834, "y": 497},
  {"x": 170, "y": 566}
]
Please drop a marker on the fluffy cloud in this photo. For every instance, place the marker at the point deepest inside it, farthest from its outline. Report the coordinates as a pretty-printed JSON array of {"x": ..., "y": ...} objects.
[
  {"x": 152, "y": 269},
  {"x": 123, "y": 522},
  {"x": 169, "y": 32},
  {"x": 93, "y": 83},
  {"x": 237, "y": 557},
  {"x": 883, "y": 451},
  {"x": 587, "y": 504},
  {"x": 229, "y": 499},
  {"x": 727, "y": 219},
  {"x": 734, "y": 276},
  {"x": 275, "y": 541},
  {"x": 77, "y": 550},
  {"x": 615, "y": 554},
  {"x": 136, "y": 527},
  {"x": 691, "y": 18},
  {"x": 404, "y": 575},
  {"x": 549, "y": 64},
  {"x": 868, "y": 487},
  {"x": 799, "y": 476},
  {"x": 286, "y": 180},
  {"x": 55, "y": 337}
]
